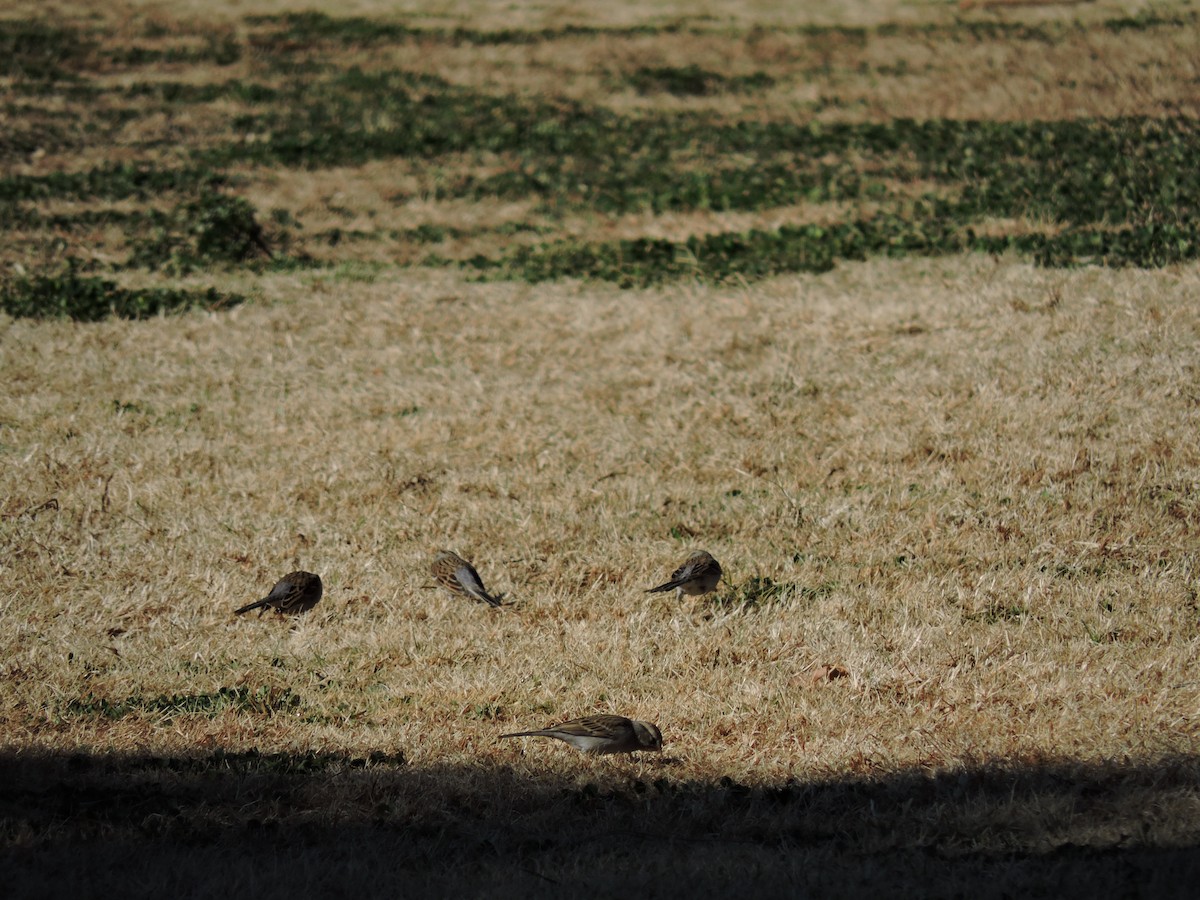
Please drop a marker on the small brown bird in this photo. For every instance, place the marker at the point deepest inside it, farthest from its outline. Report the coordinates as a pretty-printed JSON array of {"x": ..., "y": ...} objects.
[
  {"x": 294, "y": 593},
  {"x": 600, "y": 735},
  {"x": 459, "y": 577},
  {"x": 698, "y": 575}
]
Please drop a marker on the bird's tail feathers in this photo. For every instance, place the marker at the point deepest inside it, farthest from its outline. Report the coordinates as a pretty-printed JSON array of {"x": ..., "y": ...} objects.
[{"x": 257, "y": 604}]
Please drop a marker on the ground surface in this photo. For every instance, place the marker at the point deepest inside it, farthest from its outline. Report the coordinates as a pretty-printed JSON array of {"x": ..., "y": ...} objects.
[{"x": 954, "y": 493}]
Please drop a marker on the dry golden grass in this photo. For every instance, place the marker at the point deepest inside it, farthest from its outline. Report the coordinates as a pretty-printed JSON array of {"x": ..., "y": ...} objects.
[
  {"x": 969, "y": 484},
  {"x": 975, "y": 480}
]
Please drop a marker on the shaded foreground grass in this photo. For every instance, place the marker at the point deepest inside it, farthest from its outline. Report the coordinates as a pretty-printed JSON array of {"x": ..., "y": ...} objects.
[{"x": 93, "y": 825}]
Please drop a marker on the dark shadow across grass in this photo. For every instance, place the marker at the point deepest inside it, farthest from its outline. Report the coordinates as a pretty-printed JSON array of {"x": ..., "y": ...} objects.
[{"x": 277, "y": 824}]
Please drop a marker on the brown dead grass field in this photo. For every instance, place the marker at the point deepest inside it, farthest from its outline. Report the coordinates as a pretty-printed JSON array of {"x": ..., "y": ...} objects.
[
  {"x": 956, "y": 502},
  {"x": 974, "y": 482}
]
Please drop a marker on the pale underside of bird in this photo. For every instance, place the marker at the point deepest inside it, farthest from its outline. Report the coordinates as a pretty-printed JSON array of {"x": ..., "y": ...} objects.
[
  {"x": 294, "y": 593},
  {"x": 698, "y": 575},
  {"x": 600, "y": 735},
  {"x": 459, "y": 577}
]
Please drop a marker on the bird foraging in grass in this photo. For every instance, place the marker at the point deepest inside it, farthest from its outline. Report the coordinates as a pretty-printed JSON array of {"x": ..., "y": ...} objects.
[
  {"x": 294, "y": 593},
  {"x": 459, "y": 577},
  {"x": 698, "y": 575},
  {"x": 600, "y": 735}
]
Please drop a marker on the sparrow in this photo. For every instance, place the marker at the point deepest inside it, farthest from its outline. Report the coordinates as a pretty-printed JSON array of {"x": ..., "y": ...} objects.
[
  {"x": 459, "y": 577},
  {"x": 294, "y": 593},
  {"x": 599, "y": 735},
  {"x": 698, "y": 575}
]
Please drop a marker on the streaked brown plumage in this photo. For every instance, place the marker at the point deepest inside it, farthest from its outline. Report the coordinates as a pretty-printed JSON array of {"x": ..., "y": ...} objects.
[
  {"x": 698, "y": 575},
  {"x": 600, "y": 735},
  {"x": 459, "y": 577},
  {"x": 294, "y": 593}
]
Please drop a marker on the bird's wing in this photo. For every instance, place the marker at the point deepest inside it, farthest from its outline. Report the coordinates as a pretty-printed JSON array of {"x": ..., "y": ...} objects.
[{"x": 473, "y": 584}]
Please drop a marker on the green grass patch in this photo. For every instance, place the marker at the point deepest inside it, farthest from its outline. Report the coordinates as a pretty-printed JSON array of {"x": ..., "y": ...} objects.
[
  {"x": 1148, "y": 20},
  {"x": 41, "y": 50},
  {"x": 304, "y": 30},
  {"x": 70, "y": 294},
  {"x": 244, "y": 762},
  {"x": 259, "y": 701},
  {"x": 178, "y": 92},
  {"x": 1116, "y": 192},
  {"x": 217, "y": 49},
  {"x": 113, "y": 182},
  {"x": 291, "y": 32},
  {"x": 1121, "y": 171},
  {"x": 694, "y": 81},
  {"x": 210, "y": 229},
  {"x": 758, "y": 254}
]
